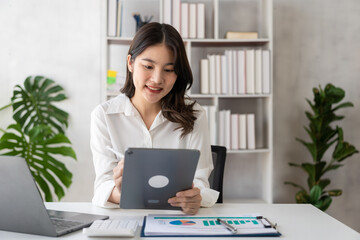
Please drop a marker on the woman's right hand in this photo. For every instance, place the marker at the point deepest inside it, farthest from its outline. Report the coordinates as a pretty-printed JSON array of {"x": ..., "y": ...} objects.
[{"x": 118, "y": 173}]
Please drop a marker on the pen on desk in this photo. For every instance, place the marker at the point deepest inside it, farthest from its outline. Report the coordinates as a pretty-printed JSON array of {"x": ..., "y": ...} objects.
[
  {"x": 115, "y": 152},
  {"x": 228, "y": 226}
]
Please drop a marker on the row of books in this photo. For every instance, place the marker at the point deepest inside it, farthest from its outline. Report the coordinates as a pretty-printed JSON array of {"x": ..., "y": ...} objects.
[
  {"x": 114, "y": 18},
  {"x": 245, "y": 71},
  {"x": 235, "y": 131},
  {"x": 187, "y": 18}
]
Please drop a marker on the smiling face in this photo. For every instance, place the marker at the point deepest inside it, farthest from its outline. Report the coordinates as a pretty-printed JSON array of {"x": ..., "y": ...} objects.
[{"x": 153, "y": 74}]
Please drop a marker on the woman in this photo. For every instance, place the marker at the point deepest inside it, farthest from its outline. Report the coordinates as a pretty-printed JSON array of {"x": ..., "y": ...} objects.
[{"x": 152, "y": 112}]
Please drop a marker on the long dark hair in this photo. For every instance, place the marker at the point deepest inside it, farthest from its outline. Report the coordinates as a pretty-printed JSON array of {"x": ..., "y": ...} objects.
[{"x": 173, "y": 105}]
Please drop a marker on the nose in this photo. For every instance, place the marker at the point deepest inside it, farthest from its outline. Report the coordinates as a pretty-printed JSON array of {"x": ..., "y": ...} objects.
[{"x": 157, "y": 76}]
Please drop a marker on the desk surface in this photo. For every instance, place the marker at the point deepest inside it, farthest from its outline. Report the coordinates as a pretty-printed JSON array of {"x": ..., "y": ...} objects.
[{"x": 295, "y": 221}]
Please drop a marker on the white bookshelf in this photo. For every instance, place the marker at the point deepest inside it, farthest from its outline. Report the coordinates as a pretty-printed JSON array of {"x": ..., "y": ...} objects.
[{"x": 248, "y": 173}]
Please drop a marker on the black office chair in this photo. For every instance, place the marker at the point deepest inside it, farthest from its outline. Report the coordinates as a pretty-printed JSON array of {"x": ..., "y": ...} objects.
[{"x": 217, "y": 175}]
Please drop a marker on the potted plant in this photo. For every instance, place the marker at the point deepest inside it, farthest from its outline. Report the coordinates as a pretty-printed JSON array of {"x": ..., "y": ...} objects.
[
  {"x": 38, "y": 134},
  {"x": 323, "y": 136}
]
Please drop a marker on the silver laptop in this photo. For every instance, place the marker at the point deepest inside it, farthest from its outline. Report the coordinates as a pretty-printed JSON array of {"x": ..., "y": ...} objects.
[
  {"x": 22, "y": 208},
  {"x": 152, "y": 176}
]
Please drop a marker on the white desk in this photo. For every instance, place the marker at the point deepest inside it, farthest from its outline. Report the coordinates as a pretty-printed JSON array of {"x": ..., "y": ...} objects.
[{"x": 295, "y": 221}]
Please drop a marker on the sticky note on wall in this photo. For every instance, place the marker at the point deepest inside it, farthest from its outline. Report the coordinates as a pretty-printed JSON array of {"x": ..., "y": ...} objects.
[{"x": 111, "y": 76}]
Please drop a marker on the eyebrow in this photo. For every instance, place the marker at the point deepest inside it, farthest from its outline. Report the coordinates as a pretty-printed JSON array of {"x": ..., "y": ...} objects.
[{"x": 152, "y": 61}]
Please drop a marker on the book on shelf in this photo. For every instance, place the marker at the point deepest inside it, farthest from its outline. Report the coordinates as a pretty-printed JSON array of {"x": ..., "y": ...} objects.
[
  {"x": 242, "y": 131},
  {"x": 227, "y": 129},
  {"x": 258, "y": 71},
  {"x": 167, "y": 10},
  {"x": 111, "y": 20},
  {"x": 241, "y": 72},
  {"x": 184, "y": 20},
  {"x": 192, "y": 20},
  {"x": 250, "y": 123},
  {"x": 119, "y": 18},
  {"x": 250, "y": 71},
  {"x": 234, "y": 131},
  {"x": 228, "y": 54},
  {"x": 211, "y": 117},
  {"x": 204, "y": 76},
  {"x": 218, "y": 74},
  {"x": 200, "y": 20},
  {"x": 241, "y": 35},
  {"x": 221, "y": 128},
  {"x": 212, "y": 74},
  {"x": 266, "y": 74},
  {"x": 224, "y": 74},
  {"x": 234, "y": 73},
  {"x": 176, "y": 14}
]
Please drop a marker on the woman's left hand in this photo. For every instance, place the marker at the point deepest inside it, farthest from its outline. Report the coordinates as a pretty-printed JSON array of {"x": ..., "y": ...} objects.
[{"x": 189, "y": 200}]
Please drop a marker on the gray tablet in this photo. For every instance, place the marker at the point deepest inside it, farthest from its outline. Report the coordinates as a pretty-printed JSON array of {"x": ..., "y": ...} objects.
[{"x": 152, "y": 176}]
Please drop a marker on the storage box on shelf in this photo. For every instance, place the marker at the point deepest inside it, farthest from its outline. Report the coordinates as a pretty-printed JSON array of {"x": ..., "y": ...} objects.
[{"x": 248, "y": 175}]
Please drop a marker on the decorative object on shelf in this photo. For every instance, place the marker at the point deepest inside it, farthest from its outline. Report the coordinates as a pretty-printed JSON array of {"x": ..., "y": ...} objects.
[
  {"x": 323, "y": 136},
  {"x": 39, "y": 134},
  {"x": 111, "y": 77},
  {"x": 140, "y": 22}
]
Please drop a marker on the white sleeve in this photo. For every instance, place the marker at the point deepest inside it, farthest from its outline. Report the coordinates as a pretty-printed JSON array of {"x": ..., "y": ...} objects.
[
  {"x": 200, "y": 140},
  {"x": 104, "y": 161}
]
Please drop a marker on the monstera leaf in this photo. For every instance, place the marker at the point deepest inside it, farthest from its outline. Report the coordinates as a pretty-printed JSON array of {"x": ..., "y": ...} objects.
[
  {"x": 33, "y": 104},
  {"x": 38, "y": 134},
  {"x": 40, "y": 148}
]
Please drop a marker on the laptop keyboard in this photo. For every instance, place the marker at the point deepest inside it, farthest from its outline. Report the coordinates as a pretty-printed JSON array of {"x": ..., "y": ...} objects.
[{"x": 61, "y": 224}]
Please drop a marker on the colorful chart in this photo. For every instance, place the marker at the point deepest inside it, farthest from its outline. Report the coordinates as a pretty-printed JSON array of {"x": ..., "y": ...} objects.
[{"x": 182, "y": 222}]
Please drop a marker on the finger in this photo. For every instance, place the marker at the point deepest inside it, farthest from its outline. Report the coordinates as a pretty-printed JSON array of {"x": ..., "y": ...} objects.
[
  {"x": 196, "y": 199},
  {"x": 190, "y": 211},
  {"x": 118, "y": 182},
  {"x": 192, "y": 204},
  {"x": 189, "y": 193}
]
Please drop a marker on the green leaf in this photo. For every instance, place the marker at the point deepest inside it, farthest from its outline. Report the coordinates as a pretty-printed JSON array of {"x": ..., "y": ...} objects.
[
  {"x": 65, "y": 151},
  {"x": 324, "y": 183},
  {"x": 343, "y": 105},
  {"x": 334, "y": 94},
  {"x": 310, "y": 169},
  {"x": 59, "y": 191},
  {"x": 302, "y": 197},
  {"x": 294, "y": 165},
  {"x": 315, "y": 193},
  {"x": 335, "y": 192},
  {"x": 33, "y": 104},
  {"x": 294, "y": 185},
  {"x": 323, "y": 203},
  {"x": 44, "y": 188},
  {"x": 58, "y": 138},
  {"x": 310, "y": 146},
  {"x": 319, "y": 167}
]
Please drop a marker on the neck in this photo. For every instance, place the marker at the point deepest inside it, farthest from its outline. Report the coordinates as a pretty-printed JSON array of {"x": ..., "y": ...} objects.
[{"x": 148, "y": 111}]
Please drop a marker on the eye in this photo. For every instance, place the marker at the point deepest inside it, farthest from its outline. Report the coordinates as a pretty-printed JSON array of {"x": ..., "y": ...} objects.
[
  {"x": 148, "y": 67},
  {"x": 169, "y": 70}
]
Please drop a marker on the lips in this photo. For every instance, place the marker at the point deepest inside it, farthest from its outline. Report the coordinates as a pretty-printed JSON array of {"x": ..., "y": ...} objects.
[{"x": 154, "y": 89}]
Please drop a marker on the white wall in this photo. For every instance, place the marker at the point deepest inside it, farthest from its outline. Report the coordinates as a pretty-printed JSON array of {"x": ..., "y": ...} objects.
[
  {"x": 60, "y": 40},
  {"x": 315, "y": 42}
]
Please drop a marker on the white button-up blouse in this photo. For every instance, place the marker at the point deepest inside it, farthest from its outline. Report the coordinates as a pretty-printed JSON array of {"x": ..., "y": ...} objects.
[{"x": 117, "y": 123}]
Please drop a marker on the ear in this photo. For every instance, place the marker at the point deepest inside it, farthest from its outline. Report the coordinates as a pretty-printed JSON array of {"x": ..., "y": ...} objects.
[{"x": 129, "y": 63}]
